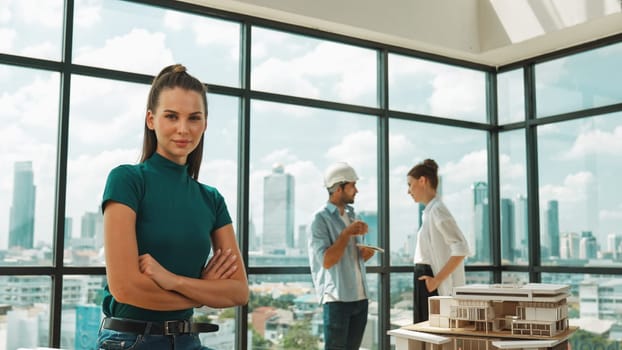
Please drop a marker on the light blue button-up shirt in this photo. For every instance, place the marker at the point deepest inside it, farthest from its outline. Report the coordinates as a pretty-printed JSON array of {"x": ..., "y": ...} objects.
[{"x": 338, "y": 283}]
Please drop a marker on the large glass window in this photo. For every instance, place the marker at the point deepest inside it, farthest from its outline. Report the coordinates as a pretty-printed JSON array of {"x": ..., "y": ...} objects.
[
  {"x": 580, "y": 213},
  {"x": 313, "y": 100},
  {"x": 513, "y": 201},
  {"x": 585, "y": 80},
  {"x": 593, "y": 306},
  {"x": 510, "y": 97},
  {"x": 301, "y": 66},
  {"x": 432, "y": 88},
  {"x": 31, "y": 28},
  {"x": 102, "y": 135},
  {"x": 143, "y": 39},
  {"x": 463, "y": 172},
  {"x": 29, "y": 100},
  {"x": 26, "y": 308},
  {"x": 290, "y": 149}
]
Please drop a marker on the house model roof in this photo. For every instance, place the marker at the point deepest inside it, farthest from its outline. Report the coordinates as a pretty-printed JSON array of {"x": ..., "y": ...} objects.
[{"x": 510, "y": 292}]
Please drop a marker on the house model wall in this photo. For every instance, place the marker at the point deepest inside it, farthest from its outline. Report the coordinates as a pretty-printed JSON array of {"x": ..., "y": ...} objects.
[{"x": 535, "y": 309}]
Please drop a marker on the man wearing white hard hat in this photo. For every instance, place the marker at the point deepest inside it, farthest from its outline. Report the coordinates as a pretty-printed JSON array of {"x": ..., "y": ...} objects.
[{"x": 338, "y": 263}]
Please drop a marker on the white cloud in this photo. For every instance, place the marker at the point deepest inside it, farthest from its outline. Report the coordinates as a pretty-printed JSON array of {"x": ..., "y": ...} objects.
[
  {"x": 139, "y": 50},
  {"x": 174, "y": 20},
  {"x": 610, "y": 214},
  {"x": 44, "y": 49},
  {"x": 597, "y": 142},
  {"x": 358, "y": 149},
  {"x": 400, "y": 145},
  {"x": 326, "y": 60},
  {"x": 34, "y": 105},
  {"x": 573, "y": 189},
  {"x": 6, "y": 15},
  {"x": 40, "y": 13},
  {"x": 117, "y": 122},
  {"x": 88, "y": 13},
  {"x": 7, "y": 38},
  {"x": 210, "y": 32},
  {"x": 266, "y": 75},
  {"x": 455, "y": 93},
  {"x": 470, "y": 168},
  {"x": 279, "y": 156},
  {"x": 509, "y": 170}
]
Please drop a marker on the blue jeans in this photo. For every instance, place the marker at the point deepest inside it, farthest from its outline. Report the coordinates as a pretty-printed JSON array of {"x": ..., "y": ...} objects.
[
  {"x": 344, "y": 324},
  {"x": 113, "y": 340}
]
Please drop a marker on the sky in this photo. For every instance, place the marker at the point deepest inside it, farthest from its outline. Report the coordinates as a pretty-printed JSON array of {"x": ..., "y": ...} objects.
[{"x": 578, "y": 159}]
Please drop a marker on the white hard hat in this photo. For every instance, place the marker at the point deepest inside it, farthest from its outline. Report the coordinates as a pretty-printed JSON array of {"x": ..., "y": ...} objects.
[{"x": 339, "y": 172}]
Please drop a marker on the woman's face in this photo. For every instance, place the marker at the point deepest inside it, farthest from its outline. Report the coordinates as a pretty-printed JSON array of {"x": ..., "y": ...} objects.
[
  {"x": 416, "y": 188},
  {"x": 178, "y": 122}
]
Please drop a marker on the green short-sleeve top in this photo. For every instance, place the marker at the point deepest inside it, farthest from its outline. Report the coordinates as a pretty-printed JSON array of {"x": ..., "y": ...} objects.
[{"x": 175, "y": 217}]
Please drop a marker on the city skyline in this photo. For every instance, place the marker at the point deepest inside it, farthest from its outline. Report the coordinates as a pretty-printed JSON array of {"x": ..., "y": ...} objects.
[{"x": 279, "y": 187}]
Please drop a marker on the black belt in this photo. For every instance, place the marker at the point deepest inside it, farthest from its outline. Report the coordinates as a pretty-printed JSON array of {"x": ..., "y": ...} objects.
[{"x": 174, "y": 327}]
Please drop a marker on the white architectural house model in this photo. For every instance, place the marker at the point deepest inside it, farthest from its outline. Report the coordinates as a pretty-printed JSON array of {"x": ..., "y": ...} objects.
[{"x": 495, "y": 316}]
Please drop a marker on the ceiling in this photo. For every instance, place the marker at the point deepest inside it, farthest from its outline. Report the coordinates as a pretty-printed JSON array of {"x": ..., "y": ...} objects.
[{"x": 490, "y": 32}]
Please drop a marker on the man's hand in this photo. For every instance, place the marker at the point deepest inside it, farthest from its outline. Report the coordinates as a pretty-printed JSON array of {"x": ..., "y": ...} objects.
[
  {"x": 366, "y": 253},
  {"x": 358, "y": 227},
  {"x": 152, "y": 268},
  {"x": 220, "y": 266}
]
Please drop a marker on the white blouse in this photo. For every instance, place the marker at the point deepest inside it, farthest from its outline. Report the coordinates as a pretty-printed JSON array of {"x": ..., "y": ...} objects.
[{"x": 438, "y": 239}]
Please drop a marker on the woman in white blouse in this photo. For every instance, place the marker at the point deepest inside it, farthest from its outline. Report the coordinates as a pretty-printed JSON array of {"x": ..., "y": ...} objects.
[{"x": 441, "y": 246}]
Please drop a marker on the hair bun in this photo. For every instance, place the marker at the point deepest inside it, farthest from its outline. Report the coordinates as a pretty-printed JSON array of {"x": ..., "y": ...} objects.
[{"x": 430, "y": 163}]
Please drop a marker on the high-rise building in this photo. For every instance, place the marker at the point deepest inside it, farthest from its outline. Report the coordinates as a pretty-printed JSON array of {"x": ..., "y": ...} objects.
[
  {"x": 507, "y": 229},
  {"x": 569, "y": 245},
  {"x": 588, "y": 247},
  {"x": 91, "y": 231},
  {"x": 481, "y": 227},
  {"x": 521, "y": 233},
  {"x": 552, "y": 227},
  {"x": 278, "y": 210},
  {"x": 68, "y": 231},
  {"x": 302, "y": 238},
  {"x": 614, "y": 244},
  {"x": 22, "y": 221}
]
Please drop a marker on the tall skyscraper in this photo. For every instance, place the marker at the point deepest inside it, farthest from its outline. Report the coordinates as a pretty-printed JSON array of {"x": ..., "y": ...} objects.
[
  {"x": 552, "y": 227},
  {"x": 278, "y": 210},
  {"x": 481, "y": 226},
  {"x": 521, "y": 233},
  {"x": 614, "y": 244},
  {"x": 507, "y": 229},
  {"x": 68, "y": 231},
  {"x": 22, "y": 220},
  {"x": 302, "y": 238},
  {"x": 588, "y": 247},
  {"x": 91, "y": 231}
]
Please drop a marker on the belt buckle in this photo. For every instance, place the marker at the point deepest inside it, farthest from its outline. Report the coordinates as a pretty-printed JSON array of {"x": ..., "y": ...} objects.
[{"x": 175, "y": 327}]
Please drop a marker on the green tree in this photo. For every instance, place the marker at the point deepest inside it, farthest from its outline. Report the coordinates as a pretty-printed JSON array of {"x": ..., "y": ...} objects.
[
  {"x": 227, "y": 313},
  {"x": 259, "y": 343},
  {"x": 299, "y": 337}
]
